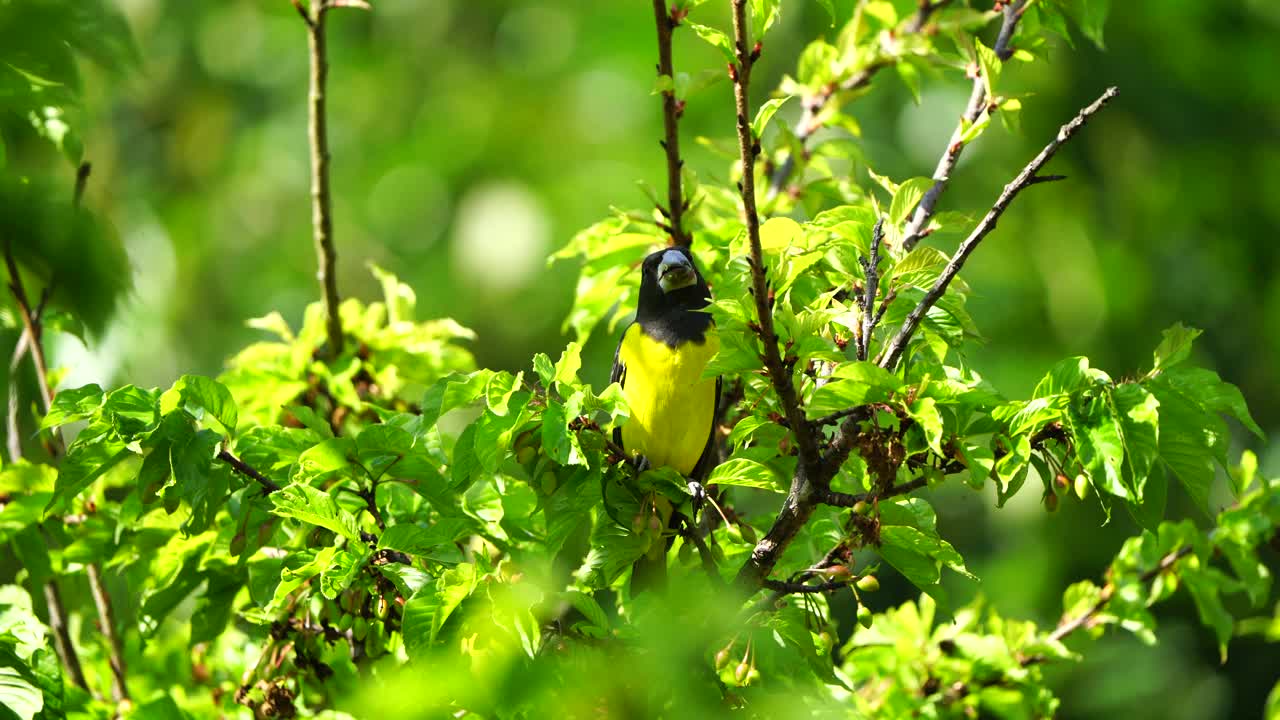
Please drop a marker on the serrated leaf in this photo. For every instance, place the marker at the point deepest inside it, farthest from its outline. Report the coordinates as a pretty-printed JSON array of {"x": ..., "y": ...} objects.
[
  {"x": 315, "y": 507},
  {"x": 764, "y": 115},
  {"x": 714, "y": 37},
  {"x": 73, "y": 405},
  {"x": 1175, "y": 346},
  {"x": 907, "y": 196},
  {"x": 742, "y": 472},
  {"x": 427, "y": 611},
  {"x": 200, "y": 395}
]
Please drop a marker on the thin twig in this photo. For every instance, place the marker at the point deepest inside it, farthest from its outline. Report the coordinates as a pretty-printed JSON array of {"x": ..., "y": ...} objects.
[
  {"x": 785, "y": 587},
  {"x": 107, "y": 623},
  {"x": 241, "y": 467},
  {"x": 321, "y": 201},
  {"x": 62, "y": 634},
  {"x": 978, "y": 102},
  {"x": 893, "y": 351},
  {"x": 671, "y": 111},
  {"x": 1068, "y": 626},
  {"x": 29, "y": 342}
]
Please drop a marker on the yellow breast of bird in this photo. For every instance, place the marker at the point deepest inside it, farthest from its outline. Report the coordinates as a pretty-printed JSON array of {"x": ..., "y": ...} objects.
[{"x": 672, "y": 406}]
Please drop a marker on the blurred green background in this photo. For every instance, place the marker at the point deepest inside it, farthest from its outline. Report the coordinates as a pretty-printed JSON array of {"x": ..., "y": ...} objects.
[{"x": 471, "y": 138}]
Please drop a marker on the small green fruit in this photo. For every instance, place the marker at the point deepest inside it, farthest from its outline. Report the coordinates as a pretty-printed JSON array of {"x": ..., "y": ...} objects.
[
  {"x": 868, "y": 583},
  {"x": 864, "y": 616}
]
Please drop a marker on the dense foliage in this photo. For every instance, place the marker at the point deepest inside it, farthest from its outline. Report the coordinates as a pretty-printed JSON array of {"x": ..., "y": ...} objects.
[{"x": 392, "y": 530}]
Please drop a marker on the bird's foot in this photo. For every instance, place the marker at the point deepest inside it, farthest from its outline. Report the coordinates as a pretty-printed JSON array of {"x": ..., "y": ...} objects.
[{"x": 640, "y": 463}]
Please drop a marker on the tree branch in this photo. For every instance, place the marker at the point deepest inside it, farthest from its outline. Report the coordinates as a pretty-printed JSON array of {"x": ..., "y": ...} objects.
[
  {"x": 779, "y": 371},
  {"x": 978, "y": 101},
  {"x": 241, "y": 467},
  {"x": 672, "y": 108},
  {"x": 893, "y": 351},
  {"x": 799, "y": 504}
]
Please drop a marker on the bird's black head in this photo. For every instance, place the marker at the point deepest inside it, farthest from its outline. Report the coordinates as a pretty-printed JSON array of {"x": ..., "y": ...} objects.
[{"x": 669, "y": 280}]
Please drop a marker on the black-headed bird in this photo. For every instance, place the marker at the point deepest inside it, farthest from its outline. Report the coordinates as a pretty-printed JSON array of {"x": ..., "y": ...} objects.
[{"x": 659, "y": 364}]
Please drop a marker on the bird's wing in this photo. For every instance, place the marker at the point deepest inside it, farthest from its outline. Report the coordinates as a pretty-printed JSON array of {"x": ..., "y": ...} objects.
[
  {"x": 708, "y": 460},
  {"x": 619, "y": 375}
]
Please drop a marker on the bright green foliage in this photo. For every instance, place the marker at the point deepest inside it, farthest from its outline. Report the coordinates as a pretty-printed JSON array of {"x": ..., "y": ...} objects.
[{"x": 394, "y": 531}]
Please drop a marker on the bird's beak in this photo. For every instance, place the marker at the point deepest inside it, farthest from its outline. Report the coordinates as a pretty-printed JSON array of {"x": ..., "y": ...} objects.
[{"x": 675, "y": 271}]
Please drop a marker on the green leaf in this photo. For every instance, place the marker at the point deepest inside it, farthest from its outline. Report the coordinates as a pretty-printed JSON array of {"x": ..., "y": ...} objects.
[
  {"x": 201, "y": 484},
  {"x": 454, "y": 391},
  {"x": 990, "y": 64},
  {"x": 200, "y": 395},
  {"x": 1100, "y": 446},
  {"x": 95, "y": 451},
  {"x": 423, "y": 542},
  {"x": 765, "y": 114},
  {"x": 343, "y": 569},
  {"x": 19, "y": 694},
  {"x": 742, "y": 472},
  {"x": 1205, "y": 585},
  {"x": 764, "y": 13},
  {"x": 427, "y": 611},
  {"x": 717, "y": 39},
  {"x": 1138, "y": 414},
  {"x": 1174, "y": 347},
  {"x": 1089, "y": 16},
  {"x": 1210, "y": 392},
  {"x": 907, "y": 197},
  {"x": 925, "y": 412},
  {"x": 854, "y": 383},
  {"x": 73, "y": 405},
  {"x": 1191, "y": 439},
  {"x": 316, "y": 507}
]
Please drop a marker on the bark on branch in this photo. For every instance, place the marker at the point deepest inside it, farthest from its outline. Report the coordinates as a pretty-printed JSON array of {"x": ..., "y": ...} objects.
[
  {"x": 672, "y": 108},
  {"x": 318, "y": 136},
  {"x": 978, "y": 101}
]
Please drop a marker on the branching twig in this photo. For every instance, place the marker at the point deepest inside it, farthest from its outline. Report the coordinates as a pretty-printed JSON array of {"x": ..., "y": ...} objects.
[
  {"x": 241, "y": 467},
  {"x": 978, "y": 102},
  {"x": 893, "y": 351},
  {"x": 672, "y": 108},
  {"x": 816, "y": 103}
]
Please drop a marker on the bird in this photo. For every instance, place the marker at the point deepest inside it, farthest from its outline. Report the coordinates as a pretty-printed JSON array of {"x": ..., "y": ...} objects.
[{"x": 659, "y": 363}]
